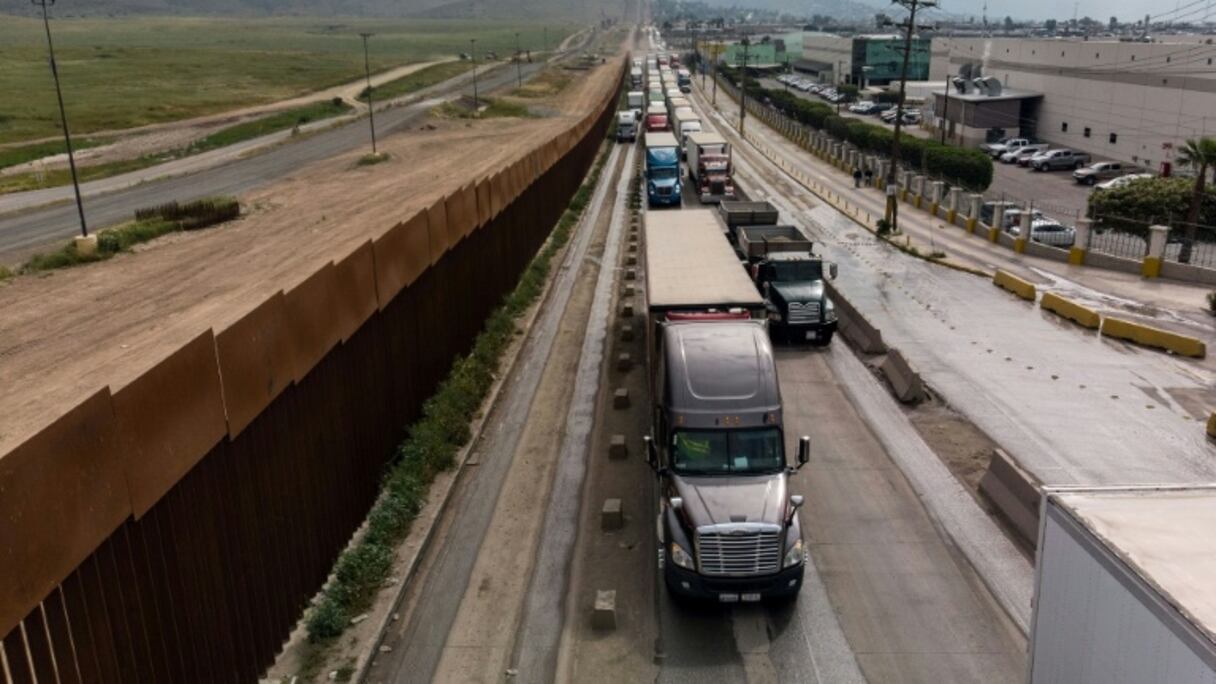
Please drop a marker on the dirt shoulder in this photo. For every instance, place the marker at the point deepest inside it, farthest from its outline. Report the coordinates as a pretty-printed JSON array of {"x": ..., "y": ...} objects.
[{"x": 72, "y": 332}]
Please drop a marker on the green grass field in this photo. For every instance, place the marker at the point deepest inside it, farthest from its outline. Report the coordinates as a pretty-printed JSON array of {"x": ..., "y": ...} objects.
[
  {"x": 423, "y": 78},
  {"x": 269, "y": 124},
  {"x": 12, "y": 156},
  {"x": 121, "y": 73}
]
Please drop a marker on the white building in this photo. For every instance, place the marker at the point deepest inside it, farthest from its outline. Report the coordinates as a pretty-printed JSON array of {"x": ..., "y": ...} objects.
[{"x": 1130, "y": 101}]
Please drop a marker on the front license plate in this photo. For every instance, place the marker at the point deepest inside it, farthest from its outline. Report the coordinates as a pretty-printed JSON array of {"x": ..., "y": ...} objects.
[
  {"x": 728, "y": 598},
  {"x": 750, "y": 598},
  {"x": 811, "y": 334}
]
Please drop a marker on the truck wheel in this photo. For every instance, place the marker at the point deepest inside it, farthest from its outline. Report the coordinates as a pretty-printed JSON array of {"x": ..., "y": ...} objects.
[{"x": 1091, "y": 180}]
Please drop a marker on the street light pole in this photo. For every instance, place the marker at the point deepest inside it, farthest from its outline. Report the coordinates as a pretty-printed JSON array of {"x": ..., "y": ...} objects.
[
  {"x": 519, "y": 76},
  {"x": 63, "y": 116},
  {"x": 892, "y": 213},
  {"x": 473, "y": 56},
  {"x": 371, "y": 104}
]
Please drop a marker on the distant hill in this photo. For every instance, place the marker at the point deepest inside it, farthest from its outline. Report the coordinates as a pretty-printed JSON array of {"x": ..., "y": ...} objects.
[{"x": 482, "y": 9}]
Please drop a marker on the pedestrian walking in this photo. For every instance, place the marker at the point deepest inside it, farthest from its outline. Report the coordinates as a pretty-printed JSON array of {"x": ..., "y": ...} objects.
[
  {"x": 857, "y": 178},
  {"x": 869, "y": 177}
]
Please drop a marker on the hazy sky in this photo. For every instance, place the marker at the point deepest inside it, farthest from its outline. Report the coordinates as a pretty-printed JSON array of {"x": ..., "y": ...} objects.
[{"x": 1098, "y": 9}]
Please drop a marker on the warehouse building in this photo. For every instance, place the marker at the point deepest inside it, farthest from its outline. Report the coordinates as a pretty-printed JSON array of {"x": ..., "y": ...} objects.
[{"x": 1130, "y": 101}]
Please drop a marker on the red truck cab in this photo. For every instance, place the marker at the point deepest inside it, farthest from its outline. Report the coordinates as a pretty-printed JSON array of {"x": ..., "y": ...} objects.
[{"x": 656, "y": 122}]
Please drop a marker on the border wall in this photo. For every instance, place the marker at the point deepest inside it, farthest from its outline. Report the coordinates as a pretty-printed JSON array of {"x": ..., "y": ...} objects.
[{"x": 176, "y": 528}]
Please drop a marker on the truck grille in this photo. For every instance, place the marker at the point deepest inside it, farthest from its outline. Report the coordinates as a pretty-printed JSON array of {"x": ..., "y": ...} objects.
[
  {"x": 717, "y": 188},
  {"x": 804, "y": 313},
  {"x": 664, "y": 191},
  {"x": 750, "y": 550}
]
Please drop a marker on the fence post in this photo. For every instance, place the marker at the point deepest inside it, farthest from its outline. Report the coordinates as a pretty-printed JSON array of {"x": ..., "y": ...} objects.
[
  {"x": 952, "y": 204},
  {"x": 1151, "y": 267},
  {"x": 938, "y": 189},
  {"x": 998, "y": 222},
  {"x": 1025, "y": 219},
  {"x": 905, "y": 184},
  {"x": 1080, "y": 246},
  {"x": 918, "y": 190},
  {"x": 880, "y": 176},
  {"x": 976, "y": 201}
]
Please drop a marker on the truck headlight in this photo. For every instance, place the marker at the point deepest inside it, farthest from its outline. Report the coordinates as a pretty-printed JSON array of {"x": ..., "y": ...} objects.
[
  {"x": 795, "y": 556},
  {"x": 829, "y": 310},
  {"x": 681, "y": 557}
]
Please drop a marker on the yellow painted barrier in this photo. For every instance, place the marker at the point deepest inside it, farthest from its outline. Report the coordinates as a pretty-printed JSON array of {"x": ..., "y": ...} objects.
[
  {"x": 1212, "y": 425},
  {"x": 1008, "y": 281},
  {"x": 1157, "y": 338},
  {"x": 1076, "y": 256},
  {"x": 992, "y": 234},
  {"x": 971, "y": 221},
  {"x": 1081, "y": 315}
]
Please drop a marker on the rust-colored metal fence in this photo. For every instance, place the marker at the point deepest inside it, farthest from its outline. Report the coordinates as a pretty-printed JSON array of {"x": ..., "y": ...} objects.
[{"x": 175, "y": 529}]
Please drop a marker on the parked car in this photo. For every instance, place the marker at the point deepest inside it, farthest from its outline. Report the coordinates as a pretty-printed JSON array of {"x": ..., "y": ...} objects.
[
  {"x": 991, "y": 147},
  {"x": 880, "y": 107},
  {"x": 1024, "y": 152},
  {"x": 1058, "y": 159},
  {"x": 815, "y": 88},
  {"x": 861, "y": 107},
  {"x": 1013, "y": 211},
  {"x": 995, "y": 150},
  {"x": 1048, "y": 231},
  {"x": 1105, "y": 170},
  {"x": 1122, "y": 181}
]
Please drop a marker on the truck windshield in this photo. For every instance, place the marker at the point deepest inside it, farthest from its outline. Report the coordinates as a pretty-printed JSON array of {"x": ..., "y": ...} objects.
[
  {"x": 797, "y": 271},
  {"x": 664, "y": 172},
  {"x": 725, "y": 452}
]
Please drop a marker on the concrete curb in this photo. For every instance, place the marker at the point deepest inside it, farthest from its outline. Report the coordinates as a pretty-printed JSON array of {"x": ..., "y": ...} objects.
[
  {"x": 1149, "y": 336},
  {"x": 1066, "y": 308},
  {"x": 1015, "y": 493},
  {"x": 905, "y": 382},
  {"x": 1007, "y": 281},
  {"x": 855, "y": 328}
]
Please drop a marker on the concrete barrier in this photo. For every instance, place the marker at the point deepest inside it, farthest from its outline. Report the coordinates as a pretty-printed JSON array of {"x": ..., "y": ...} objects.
[
  {"x": 905, "y": 381},
  {"x": 1081, "y": 315},
  {"x": 855, "y": 328},
  {"x": 1157, "y": 338},
  {"x": 1015, "y": 493},
  {"x": 1212, "y": 425},
  {"x": 1008, "y": 281}
]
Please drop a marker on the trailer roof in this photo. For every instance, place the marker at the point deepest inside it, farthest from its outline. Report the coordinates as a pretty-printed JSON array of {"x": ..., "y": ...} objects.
[
  {"x": 661, "y": 139},
  {"x": 1166, "y": 535},
  {"x": 689, "y": 263},
  {"x": 706, "y": 137}
]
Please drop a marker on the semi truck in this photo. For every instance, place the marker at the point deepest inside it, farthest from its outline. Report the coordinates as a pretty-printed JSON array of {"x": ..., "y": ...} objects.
[
  {"x": 684, "y": 120},
  {"x": 637, "y": 102},
  {"x": 1125, "y": 586},
  {"x": 743, "y": 213},
  {"x": 626, "y": 126},
  {"x": 684, "y": 80},
  {"x": 635, "y": 77},
  {"x": 791, "y": 278},
  {"x": 656, "y": 118},
  {"x": 709, "y": 166},
  {"x": 727, "y": 526},
  {"x": 663, "y": 186}
]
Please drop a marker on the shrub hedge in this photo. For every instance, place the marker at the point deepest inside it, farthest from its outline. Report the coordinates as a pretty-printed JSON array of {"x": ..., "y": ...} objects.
[
  {"x": 965, "y": 167},
  {"x": 1140, "y": 204}
]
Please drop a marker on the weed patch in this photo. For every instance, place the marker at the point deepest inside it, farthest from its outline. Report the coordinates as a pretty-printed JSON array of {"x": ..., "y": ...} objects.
[
  {"x": 423, "y": 78},
  {"x": 434, "y": 440},
  {"x": 372, "y": 159},
  {"x": 490, "y": 109},
  {"x": 291, "y": 118}
]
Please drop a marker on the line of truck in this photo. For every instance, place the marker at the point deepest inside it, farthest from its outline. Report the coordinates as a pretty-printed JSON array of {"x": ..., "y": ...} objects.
[{"x": 722, "y": 283}]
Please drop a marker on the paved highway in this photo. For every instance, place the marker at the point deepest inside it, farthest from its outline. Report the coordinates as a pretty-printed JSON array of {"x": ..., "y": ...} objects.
[{"x": 22, "y": 233}]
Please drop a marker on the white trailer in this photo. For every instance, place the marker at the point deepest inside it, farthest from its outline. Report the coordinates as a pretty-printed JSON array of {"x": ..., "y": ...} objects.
[{"x": 1125, "y": 586}]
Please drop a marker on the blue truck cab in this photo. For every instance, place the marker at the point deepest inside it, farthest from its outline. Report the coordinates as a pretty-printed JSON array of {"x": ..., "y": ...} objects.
[{"x": 662, "y": 169}]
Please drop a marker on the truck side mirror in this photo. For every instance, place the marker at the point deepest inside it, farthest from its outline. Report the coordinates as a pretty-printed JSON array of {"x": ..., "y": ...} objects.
[
  {"x": 652, "y": 453},
  {"x": 832, "y": 270},
  {"x": 804, "y": 450},
  {"x": 677, "y": 503}
]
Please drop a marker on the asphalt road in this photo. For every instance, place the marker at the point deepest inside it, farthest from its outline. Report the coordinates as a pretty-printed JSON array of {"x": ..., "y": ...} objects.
[{"x": 24, "y": 232}]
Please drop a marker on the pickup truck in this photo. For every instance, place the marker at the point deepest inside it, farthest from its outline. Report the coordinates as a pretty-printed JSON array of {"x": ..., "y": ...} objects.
[
  {"x": 1058, "y": 159},
  {"x": 727, "y": 525},
  {"x": 1100, "y": 171},
  {"x": 996, "y": 149},
  {"x": 791, "y": 278},
  {"x": 709, "y": 166}
]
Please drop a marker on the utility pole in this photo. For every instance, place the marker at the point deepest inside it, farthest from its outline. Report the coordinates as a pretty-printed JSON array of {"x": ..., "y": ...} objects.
[
  {"x": 892, "y": 214},
  {"x": 743, "y": 85},
  {"x": 371, "y": 104},
  {"x": 945, "y": 96},
  {"x": 519, "y": 55},
  {"x": 473, "y": 56},
  {"x": 63, "y": 116}
]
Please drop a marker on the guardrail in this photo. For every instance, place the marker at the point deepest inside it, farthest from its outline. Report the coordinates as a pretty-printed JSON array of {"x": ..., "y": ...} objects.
[{"x": 173, "y": 529}]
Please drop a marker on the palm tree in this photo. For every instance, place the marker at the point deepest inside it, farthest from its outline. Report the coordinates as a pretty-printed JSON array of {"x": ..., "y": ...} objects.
[{"x": 1200, "y": 154}]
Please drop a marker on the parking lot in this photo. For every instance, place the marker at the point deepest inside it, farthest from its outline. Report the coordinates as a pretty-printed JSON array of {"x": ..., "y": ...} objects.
[{"x": 1052, "y": 192}]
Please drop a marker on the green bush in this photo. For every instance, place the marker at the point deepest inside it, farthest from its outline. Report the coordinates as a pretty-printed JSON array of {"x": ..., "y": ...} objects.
[
  {"x": 1135, "y": 206},
  {"x": 966, "y": 167},
  {"x": 836, "y": 127}
]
